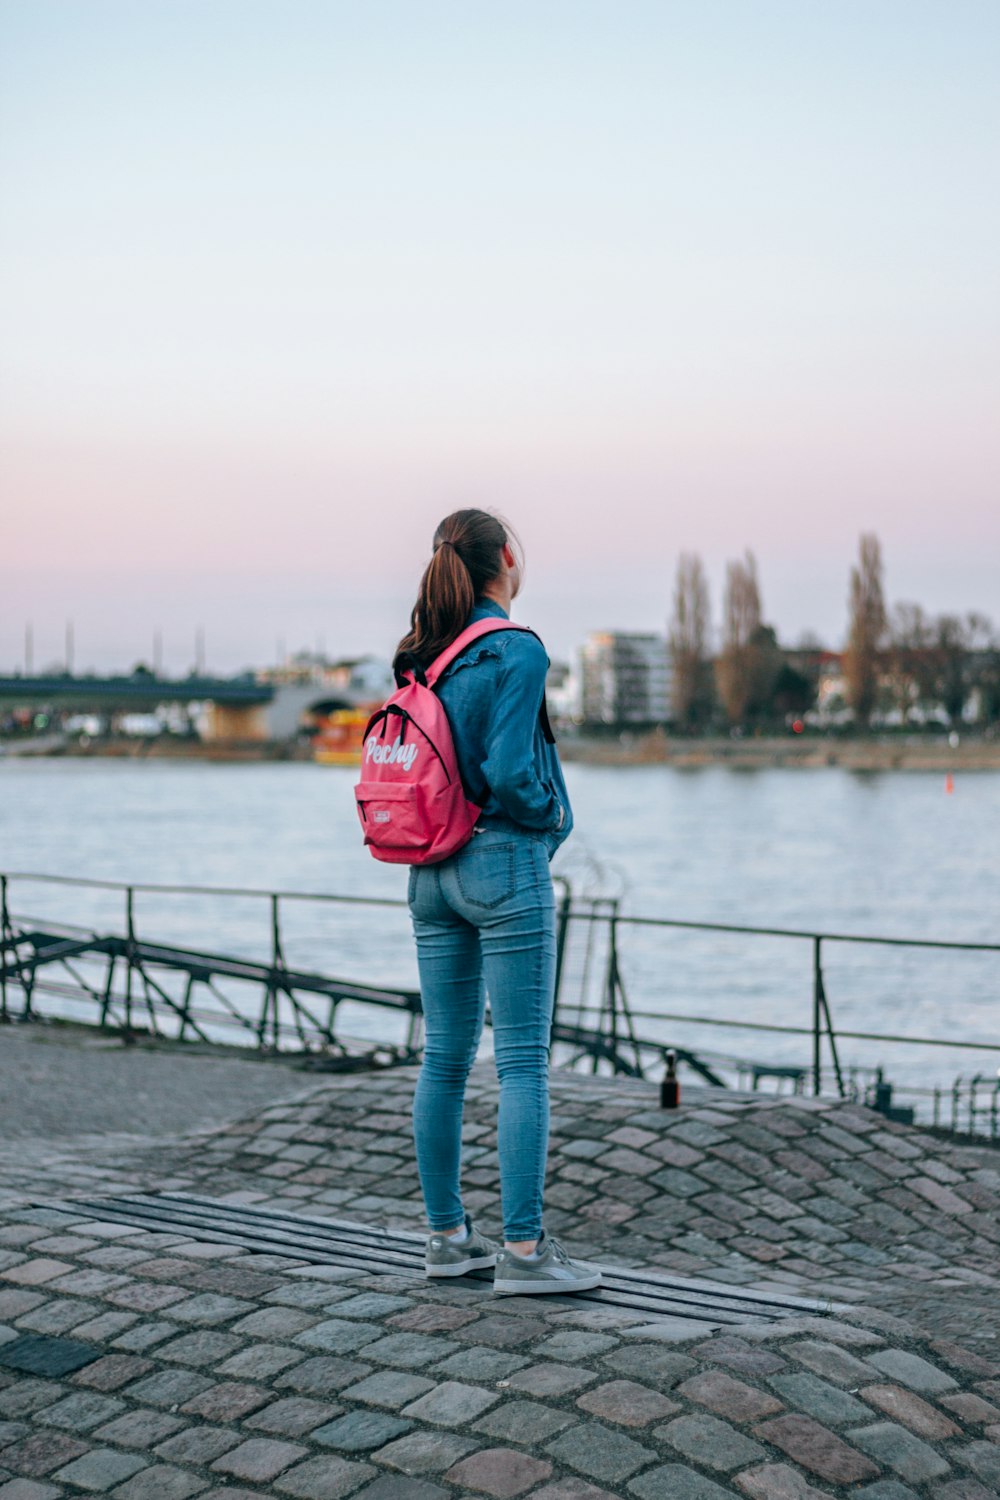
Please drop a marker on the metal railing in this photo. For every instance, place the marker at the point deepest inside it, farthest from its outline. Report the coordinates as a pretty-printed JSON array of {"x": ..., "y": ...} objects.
[{"x": 595, "y": 1023}]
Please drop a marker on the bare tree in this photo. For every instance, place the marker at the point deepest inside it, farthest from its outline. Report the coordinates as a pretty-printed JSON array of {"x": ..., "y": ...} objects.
[
  {"x": 688, "y": 637},
  {"x": 910, "y": 660},
  {"x": 741, "y": 621},
  {"x": 866, "y": 635}
]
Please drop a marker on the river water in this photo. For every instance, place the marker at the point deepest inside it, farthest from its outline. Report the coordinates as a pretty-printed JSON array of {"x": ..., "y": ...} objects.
[{"x": 822, "y": 850}]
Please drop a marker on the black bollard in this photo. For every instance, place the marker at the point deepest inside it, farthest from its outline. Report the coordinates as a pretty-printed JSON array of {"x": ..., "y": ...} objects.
[{"x": 670, "y": 1089}]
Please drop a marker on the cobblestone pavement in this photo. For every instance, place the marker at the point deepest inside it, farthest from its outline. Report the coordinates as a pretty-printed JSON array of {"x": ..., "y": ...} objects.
[{"x": 142, "y": 1364}]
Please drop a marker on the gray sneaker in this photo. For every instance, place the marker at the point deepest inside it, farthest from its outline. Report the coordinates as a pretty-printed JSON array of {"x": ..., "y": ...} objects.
[
  {"x": 550, "y": 1270},
  {"x": 444, "y": 1258}
]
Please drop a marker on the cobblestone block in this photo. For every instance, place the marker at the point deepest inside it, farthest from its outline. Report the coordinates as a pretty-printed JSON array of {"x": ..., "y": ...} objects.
[
  {"x": 817, "y": 1398},
  {"x": 710, "y": 1442},
  {"x": 887, "y": 1489},
  {"x": 321, "y": 1375},
  {"x": 28, "y": 1489},
  {"x": 41, "y": 1452},
  {"x": 392, "y": 1389},
  {"x": 260, "y": 1361},
  {"x": 28, "y": 1396},
  {"x": 83, "y": 1410},
  {"x": 816, "y": 1448},
  {"x": 229, "y": 1401},
  {"x": 57, "y": 1315},
  {"x": 425, "y": 1452},
  {"x": 294, "y": 1416},
  {"x": 676, "y": 1482},
  {"x": 983, "y": 1459},
  {"x": 326, "y": 1478},
  {"x": 661, "y": 1367},
  {"x": 479, "y": 1363},
  {"x": 206, "y": 1347},
  {"x": 740, "y": 1356},
  {"x": 139, "y": 1429},
  {"x": 626, "y": 1402},
  {"x": 359, "y": 1431},
  {"x": 392, "y": 1487},
  {"x": 259, "y": 1459},
  {"x": 831, "y": 1362},
  {"x": 142, "y": 1297},
  {"x": 160, "y": 1482},
  {"x": 914, "y": 1413},
  {"x": 410, "y": 1351},
  {"x": 729, "y": 1398},
  {"x": 36, "y": 1272},
  {"x": 432, "y": 1317},
  {"x": 307, "y": 1294},
  {"x": 598, "y": 1452},
  {"x": 101, "y": 1469},
  {"x": 451, "y": 1404},
  {"x": 777, "y": 1482},
  {"x": 895, "y": 1448},
  {"x": 551, "y": 1379},
  {"x": 339, "y": 1335},
  {"x": 105, "y": 1327},
  {"x": 371, "y": 1305},
  {"x": 575, "y": 1344},
  {"x": 961, "y": 1489},
  {"x": 939, "y": 1196},
  {"x": 274, "y": 1323},
  {"x": 112, "y": 1371},
  {"x": 971, "y": 1408},
  {"x": 499, "y": 1472},
  {"x": 572, "y": 1489},
  {"x": 199, "y": 1445},
  {"x": 145, "y": 1336},
  {"x": 168, "y": 1387},
  {"x": 909, "y": 1369},
  {"x": 503, "y": 1331},
  {"x": 14, "y": 1302},
  {"x": 525, "y": 1422}
]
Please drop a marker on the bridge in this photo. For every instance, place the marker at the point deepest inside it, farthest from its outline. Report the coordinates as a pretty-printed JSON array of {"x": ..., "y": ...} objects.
[{"x": 240, "y": 708}]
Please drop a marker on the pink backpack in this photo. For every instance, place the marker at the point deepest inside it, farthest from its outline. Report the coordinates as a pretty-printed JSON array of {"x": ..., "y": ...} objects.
[{"x": 411, "y": 801}]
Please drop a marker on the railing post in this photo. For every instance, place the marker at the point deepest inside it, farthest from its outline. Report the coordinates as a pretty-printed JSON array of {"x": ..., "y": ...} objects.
[
  {"x": 562, "y": 931},
  {"x": 817, "y": 1014},
  {"x": 276, "y": 960},
  {"x": 5, "y": 928},
  {"x": 129, "y": 954}
]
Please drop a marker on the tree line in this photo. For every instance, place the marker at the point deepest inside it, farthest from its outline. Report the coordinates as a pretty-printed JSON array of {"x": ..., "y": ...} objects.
[{"x": 900, "y": 665}]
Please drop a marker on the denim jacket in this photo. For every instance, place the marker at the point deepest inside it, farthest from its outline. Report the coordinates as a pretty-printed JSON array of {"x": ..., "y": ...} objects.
[{"x": 492, "y": 694}]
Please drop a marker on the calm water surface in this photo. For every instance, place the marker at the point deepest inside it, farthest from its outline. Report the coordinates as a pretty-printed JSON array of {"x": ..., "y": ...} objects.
[{"x": 824, "y": 850}]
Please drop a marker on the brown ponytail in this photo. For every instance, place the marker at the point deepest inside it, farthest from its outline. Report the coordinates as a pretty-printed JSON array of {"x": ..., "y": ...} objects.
[{"x": 466, "y": 557}]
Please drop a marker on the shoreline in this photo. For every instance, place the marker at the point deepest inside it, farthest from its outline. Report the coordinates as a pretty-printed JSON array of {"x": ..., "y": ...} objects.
[{"x": 654, "y": 748}]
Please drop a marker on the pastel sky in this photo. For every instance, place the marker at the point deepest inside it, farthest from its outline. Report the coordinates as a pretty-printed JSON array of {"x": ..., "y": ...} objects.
[{"x": 282, "y": 283}]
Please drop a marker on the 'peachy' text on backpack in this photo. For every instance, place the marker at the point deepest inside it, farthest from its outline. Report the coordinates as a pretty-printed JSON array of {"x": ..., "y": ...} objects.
[{"x": 411, "y": 801}]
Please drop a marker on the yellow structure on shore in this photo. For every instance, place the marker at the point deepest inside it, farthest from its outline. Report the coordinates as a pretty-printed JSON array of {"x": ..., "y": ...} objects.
[{"x": 340, "y": 736}]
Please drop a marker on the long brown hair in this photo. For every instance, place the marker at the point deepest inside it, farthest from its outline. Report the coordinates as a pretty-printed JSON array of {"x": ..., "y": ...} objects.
[{"x": 466, "y": 557}]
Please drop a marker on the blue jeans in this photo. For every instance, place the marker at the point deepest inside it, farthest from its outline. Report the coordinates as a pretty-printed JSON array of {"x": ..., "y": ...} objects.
[{"x": 484, "y": 922}]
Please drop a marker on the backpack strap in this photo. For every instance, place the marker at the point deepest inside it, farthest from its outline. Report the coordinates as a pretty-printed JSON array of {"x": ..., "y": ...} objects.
[{"x": 471, "y": 634}]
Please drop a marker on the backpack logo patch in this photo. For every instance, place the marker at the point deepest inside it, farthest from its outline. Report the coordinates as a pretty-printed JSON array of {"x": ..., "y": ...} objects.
[{"x": 396, "y": 754}]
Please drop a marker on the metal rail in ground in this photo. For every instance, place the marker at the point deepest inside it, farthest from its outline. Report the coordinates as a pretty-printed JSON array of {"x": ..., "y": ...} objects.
[{"x": 360, "y": 1247}]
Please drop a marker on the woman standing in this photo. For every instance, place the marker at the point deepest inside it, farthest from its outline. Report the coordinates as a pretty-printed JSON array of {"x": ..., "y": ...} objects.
[{"x": 484, "y": 919}]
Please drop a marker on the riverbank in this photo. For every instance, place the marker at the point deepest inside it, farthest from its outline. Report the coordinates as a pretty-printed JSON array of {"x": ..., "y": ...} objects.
[
  {"x": 905, "y": 753},
  {"x": 891, "y": 753}
]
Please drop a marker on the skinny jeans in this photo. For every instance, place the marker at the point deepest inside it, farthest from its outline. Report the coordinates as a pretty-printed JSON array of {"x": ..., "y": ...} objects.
[{"x": 484, "y": 922}]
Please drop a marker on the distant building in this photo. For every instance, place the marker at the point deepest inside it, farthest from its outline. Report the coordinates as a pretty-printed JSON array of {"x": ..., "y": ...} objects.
[
  {"x": 626, "y": 678},
  {"x": 562, "y": 690}
]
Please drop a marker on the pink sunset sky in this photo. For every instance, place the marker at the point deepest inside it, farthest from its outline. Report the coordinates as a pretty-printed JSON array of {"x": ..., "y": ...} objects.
[{"x": 282, "y": 283}]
